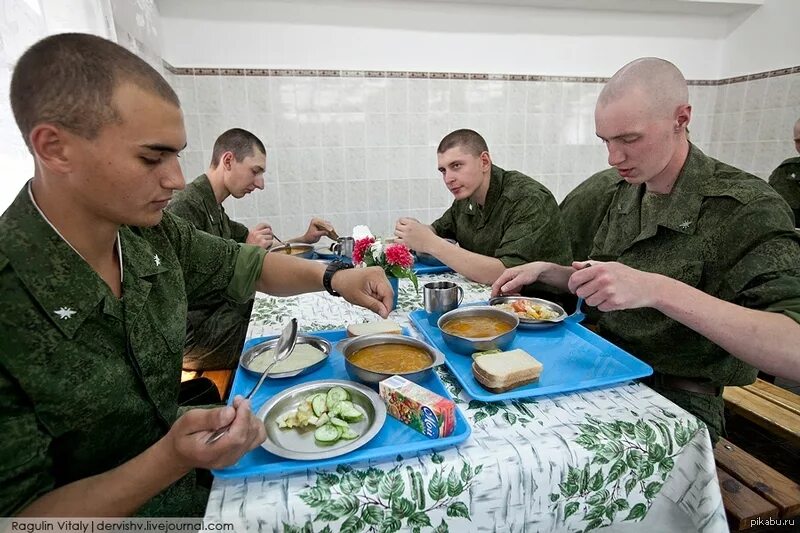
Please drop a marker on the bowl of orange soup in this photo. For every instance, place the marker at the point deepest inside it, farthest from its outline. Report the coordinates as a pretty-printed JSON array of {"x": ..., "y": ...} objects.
[
  {"x": 373, "y": 358},
  {"x": 471, "y": 329}
]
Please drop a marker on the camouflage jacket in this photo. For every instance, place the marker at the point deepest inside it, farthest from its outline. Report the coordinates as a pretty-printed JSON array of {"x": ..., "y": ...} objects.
[
  {"x": 519, "y": 222},
  {"x": 584, "y": 209},
  {"x": 786, "y": 180},
  {"x": 198, "y": 205},
  {"x": 720, "y": 230},
  {"x": 88, "y": 381}
]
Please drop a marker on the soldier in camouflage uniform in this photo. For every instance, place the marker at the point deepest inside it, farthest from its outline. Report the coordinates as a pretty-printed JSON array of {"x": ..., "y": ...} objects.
[
  {"x": 584, "y": 209},
  {"x": 95, "y": 282},
  {"x": 786, "y": 178},
  {"x": 215, "y": 333},
  {"x": 696, "y": 266},
  {"x": 499, "y": 218}
]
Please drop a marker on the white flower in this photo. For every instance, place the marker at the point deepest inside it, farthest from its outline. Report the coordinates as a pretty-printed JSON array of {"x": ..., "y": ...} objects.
[
  {"x": 377, "y": 250},
  {"x": 361, "y": 232}
]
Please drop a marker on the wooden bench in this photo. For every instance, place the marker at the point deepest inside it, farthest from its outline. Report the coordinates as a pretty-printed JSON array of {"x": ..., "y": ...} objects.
[
  {"x": 769, "y": 406},
  {"x": 751, "y": 489}
]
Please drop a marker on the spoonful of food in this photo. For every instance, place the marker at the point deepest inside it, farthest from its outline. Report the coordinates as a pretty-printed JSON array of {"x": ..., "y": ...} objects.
[{"x": 283, "y": 348}]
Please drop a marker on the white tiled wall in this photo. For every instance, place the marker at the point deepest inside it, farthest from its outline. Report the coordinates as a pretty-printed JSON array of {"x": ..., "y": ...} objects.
[{"x": 363, "y": 150}]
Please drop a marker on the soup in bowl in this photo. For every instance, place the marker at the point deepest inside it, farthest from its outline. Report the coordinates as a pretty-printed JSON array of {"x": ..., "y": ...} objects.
[
  {"x": 373, "y": 358},
  {"x": 471, "y": 329},
  {"x": 297, "y": 250}
]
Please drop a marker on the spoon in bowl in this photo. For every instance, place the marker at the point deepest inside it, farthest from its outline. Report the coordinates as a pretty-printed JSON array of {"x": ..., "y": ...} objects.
[
  {"x": 283, "y": 348},
  {"x": 287, "y": 247}
]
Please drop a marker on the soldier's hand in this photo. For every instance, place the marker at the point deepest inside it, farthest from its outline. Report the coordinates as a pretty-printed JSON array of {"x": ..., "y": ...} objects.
[
  {"x": 187, "y": 436},
  {"x": 318, "y": 228},
  {"x": 414, "y": 234},
  {"x": 613, "y": 286},
  {"x": 367, "y": 287},
  {"x": 260, "y": 235},
  {"x": 513, "y": 279}
]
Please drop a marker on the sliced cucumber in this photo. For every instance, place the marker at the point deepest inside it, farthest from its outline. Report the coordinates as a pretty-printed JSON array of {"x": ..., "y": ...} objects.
[
  {"x": 318, "y": 404},
  {"x": 351, "y": 414},
  {"x": 349, "y": 434},
  {"x": 327, "y": 433},
  {"x": 334, "y": 410},
  {"x": 339, "y": 422},
  {"x": 324, "y": 419},
  {"x": 336, "y": 394}
]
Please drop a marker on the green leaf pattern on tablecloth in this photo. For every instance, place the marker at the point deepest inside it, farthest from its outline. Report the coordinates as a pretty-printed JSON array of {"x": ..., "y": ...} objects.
[
  {"x": 377, "y": 500},
  {"x": 627, "y": 455}
]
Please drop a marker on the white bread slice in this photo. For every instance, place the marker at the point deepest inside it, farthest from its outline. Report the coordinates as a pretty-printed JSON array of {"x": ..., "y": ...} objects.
[
  {"x": 506, "y": 370},
  {"x": 379, "y": 326}
]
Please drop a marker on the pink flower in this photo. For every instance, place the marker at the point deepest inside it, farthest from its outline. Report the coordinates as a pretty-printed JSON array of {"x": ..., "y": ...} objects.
[
  {"x": 398, "y": 254},
  {"x": 360, "y": 247}
]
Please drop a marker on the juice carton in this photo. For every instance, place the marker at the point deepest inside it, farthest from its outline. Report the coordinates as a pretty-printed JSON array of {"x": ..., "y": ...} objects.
[{"x": 417, "y": 407}]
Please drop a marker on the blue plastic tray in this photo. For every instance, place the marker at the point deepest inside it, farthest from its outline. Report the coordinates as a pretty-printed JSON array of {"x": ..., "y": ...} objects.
[
  {"x": 574, "y": 358},
  {"x": 419, "y": 268},
  {"x": 394, "y": 438}
]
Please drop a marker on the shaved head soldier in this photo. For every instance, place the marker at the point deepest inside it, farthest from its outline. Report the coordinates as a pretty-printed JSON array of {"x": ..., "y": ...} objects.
[{"x": 696, "y": 266}]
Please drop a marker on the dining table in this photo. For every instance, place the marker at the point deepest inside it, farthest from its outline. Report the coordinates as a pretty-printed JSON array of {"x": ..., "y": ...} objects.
[{"x": 617, "y": 458}]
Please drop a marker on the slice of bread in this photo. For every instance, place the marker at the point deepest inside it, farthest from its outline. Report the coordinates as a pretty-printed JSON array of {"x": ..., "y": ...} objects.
[
  {"x": 504, "y": 371},
  {"x": 379, "y": 326}
]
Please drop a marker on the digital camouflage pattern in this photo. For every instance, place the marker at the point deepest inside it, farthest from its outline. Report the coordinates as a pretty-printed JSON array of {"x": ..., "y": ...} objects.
[
  {"x": 214, "y": 334},
  {"x": 198, "y": 205},
  {"x": 584, "y": 209},
  {"x": 76, "y": 399},
  {"x": 519, "y": 223},
  {"x": 786, "y": 180},
  {"x": 720, "y": 230}
]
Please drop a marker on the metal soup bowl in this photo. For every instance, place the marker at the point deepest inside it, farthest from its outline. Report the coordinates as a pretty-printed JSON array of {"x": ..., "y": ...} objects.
[
  {"x": 349, "y": 347},
  {"x": 306, "y": 251},
  {"x": 254, "y": 351},
  {"x": 470, "y": 345}
]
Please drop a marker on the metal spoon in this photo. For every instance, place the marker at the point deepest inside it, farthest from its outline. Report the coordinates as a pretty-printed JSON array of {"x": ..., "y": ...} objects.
[
  {"x": 288, "y": 247},
  {"x": 283, "y": 348}
]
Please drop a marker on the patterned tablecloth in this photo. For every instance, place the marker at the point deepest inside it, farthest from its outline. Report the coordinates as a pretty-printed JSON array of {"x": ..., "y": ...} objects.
[{"x": 622, "y": 457}]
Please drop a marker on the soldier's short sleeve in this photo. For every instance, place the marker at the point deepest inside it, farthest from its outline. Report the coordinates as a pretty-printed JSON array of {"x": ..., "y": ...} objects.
[
  {"x": 214, "y": 267},
  {"x": 534, "y": 231},
  {"x": 445, "y": 225},
  {"x": 766, "y": 272},
  {"x": 25, "y": 464}
]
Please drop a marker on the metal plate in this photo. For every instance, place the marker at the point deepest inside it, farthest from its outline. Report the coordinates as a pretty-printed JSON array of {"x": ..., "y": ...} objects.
[
  {"x": 299, "y": 443},
  {"x": 530, "y": 323},
  {"x": 251, "y": 353}
]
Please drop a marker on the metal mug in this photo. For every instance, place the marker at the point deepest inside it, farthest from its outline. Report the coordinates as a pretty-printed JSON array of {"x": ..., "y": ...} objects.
[
  {"x": 439, "y": 297},
  {"x": 343, "y": 247}
]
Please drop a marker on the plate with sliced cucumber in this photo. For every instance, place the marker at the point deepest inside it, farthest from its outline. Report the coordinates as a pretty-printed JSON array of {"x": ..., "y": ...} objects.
[{"x": 321, "y": 419}]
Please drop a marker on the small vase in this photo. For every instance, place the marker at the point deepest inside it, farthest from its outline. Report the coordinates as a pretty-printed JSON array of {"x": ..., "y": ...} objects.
[{"x": 394, "y": 282}]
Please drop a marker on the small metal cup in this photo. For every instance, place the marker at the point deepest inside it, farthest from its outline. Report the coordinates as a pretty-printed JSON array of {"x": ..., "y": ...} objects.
[
  {"x": 439, "y": 297},
  {"x": 343, "y": 247}
]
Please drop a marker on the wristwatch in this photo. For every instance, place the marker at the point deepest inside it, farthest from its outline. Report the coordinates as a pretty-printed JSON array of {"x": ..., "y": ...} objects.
[{"x": 333, "y": 268}]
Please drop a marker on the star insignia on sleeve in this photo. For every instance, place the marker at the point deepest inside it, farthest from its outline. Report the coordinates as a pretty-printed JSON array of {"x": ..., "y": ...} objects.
[
  {"x": 685, "y": 224},
  {"x": 157, "y": 260},
  {"x": 64, "y": 313}
]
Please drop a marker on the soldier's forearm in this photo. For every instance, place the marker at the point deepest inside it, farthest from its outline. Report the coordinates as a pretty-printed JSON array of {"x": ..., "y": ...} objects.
[
  {"x": 765, "y": 340},
  {"x": 117, "y": 492},
  {"x": 476, "y": 267},
  {"x": 284, "y": 275}
]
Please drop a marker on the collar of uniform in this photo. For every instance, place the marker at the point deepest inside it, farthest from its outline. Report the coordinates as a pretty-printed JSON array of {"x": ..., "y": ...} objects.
[
  {"x": 64, "y": 285},
  {"x": 492, "y": 195},
  {"x": 141, "y": 262},
  {"x": 208, "y": 198},
  {"x": 683, "y": 204},
  {"x": 683, "y": 207}
]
